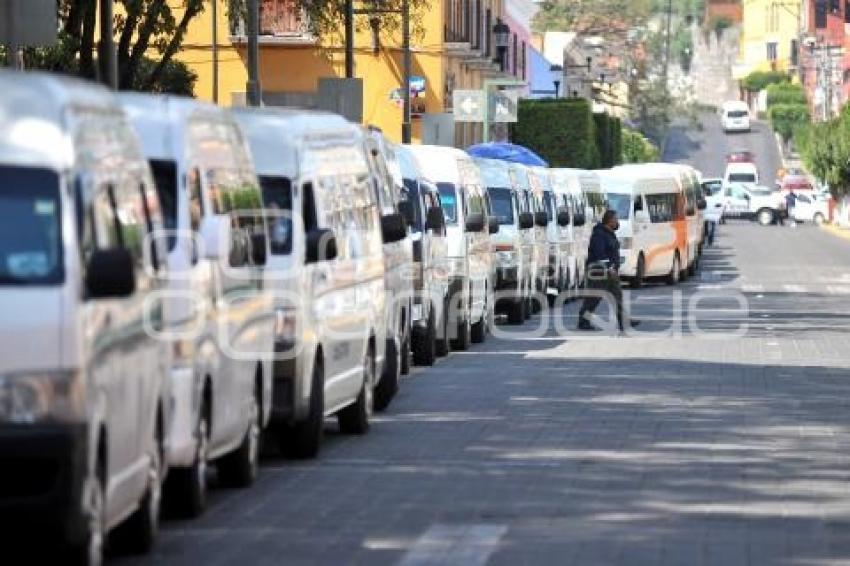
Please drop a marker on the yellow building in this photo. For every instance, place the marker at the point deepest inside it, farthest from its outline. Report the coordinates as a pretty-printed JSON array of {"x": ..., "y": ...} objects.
[
  {"x": 771, "y": 29},
  {"x": 454, "y": 51}
]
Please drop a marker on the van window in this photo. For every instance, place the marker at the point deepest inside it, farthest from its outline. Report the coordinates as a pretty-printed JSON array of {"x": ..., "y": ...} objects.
[
  {"x": 550, "y": 209},
  {"x": 664, "y": 207},
  {"x": 638, "y": 203},
  {"x": 596, "y": 202},
  {"x": 165, "y": 179},
  {"x": 233, "y": 192},
  {"x": 742, "y": 178},
  {"x": 448, "y": 200},
  {"x": 414, "y": 196},
  {"x": 502, "y": 204},
  {"x": 30, "y": 231},
  {"x": 277, "y": 201},
  {"x": 737, "y": 113},
  {"x": 196, "y": 201},
  {"x": 622, "y": 204},
  {"x": 475, "y": 202}
]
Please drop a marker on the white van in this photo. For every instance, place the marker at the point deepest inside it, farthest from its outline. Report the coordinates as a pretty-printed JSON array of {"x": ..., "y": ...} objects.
[
  {"x": 222, "y": 324},
  {"x": 735, "y": 117},
  {"x": 741, "y": 174},
  {"x": 463, "y": 200},
  {"x": 653, "y": 227},
  {"x": 398, "y": 257},
  {"x": 326, "y": 270},
  {"x": 513, "y": 270},
  {"x": 84, "y": 387},
  {"x": 557, "y": 237},
  {"x": 531, "y": 192},
  {"x": 571, "y": 186}
]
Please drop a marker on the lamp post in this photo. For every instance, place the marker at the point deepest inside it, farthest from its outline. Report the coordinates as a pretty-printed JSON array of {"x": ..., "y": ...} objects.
[
  {"x": 502, "y": 37},
  {"x": 587, "y": 66},
  {"x": 253, "y": 87}
]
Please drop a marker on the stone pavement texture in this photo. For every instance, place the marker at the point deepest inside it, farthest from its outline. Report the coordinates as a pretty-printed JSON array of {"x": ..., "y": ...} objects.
[{"x": 675, "y": 447}]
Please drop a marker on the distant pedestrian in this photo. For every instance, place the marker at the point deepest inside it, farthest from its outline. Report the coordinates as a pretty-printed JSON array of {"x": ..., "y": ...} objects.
[
  {"x": 790, "y": 203},
  {"x": 713, "y": 216},
  {"x": 603, "y": 265}
]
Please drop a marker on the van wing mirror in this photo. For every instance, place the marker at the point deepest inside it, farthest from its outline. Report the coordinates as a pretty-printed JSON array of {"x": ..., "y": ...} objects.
[
  {"x": 393, "y": 228},
  {"x": 541, "y": 219},
  {"x": 216, "y": 236},
  {"x": 321, "y": 245},
  {"x": 563, "y": 218},
  {"x": 475, "y": 222},
  {"x": 579, "y": 220},
  {"x": 436, "y": 220},
  {"x": 526, "y": 220},
  {"x": 258, "y": 249},
  {"x": 493, "y": 225},
  {"x": 702, "y": 204},
  {"x": 110, "y": 273}
]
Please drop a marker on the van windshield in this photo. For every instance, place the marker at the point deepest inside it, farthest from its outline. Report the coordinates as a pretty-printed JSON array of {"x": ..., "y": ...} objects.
[
  {"x": 742, "y": 178},
  {"x": 501, "y": 203},
  {"x": 448, "y": 201},
  {"x": 622, "y": 204},
  {"x": 165, "y": 178},
  {"x": 737, "y": 113},
  {"x": 30, "y": 229},
  {"x": 277, "y": 201},
  {"x": 414, "y": 198}
]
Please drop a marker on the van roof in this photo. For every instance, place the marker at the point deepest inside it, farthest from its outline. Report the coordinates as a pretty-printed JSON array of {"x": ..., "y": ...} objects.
[
  {"x": 276, "y": 135},
  {"x": 576, "y": 178},
  {"x": 33, "y": 129},
  {"x": 436, "y": 163},
  {"x": 624, "y": 180},
  {"x": 745, "y": 167},
  {"x": 495, "y": 173}
]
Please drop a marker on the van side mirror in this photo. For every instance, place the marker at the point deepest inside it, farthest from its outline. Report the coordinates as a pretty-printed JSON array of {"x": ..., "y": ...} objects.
[
  {"x": 541, "y": 219},
  {"x": 436, "y": 220},
  {"x": 493, "y": 225},
  {"x": 321, "y": 245},
  {"x": 563, "y": 218},
  {"x": 526, "y": 220},
  {"x": 405, "y": 207},
  {"x": 216, "y": 236},
  {"x": 110, "y": 273},
  {"x": 690, "y": 210},
  {"x": 393, "y": 228},
  {"x": 258, "y": 249},
  {"x": 475, "y": 222},
  {"x": 579, "y": 220},
  {"x": 702, "y": 204}
]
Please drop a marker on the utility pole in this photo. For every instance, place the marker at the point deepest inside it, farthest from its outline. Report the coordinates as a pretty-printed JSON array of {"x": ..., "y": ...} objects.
[
  {"x": 253, "y": 88},
  {"x": 349, "y": 39},
  {"x": 405, "y": 124},
  {"x": 106, "y": 56},
  {"x": 215, "y": 51}
]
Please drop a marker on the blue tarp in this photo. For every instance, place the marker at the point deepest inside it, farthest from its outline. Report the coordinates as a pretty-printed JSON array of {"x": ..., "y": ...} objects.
[{"x": 506, "y": 152}]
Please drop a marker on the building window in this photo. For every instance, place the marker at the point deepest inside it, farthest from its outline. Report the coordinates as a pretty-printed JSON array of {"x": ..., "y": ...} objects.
[
  {"x": 820, "y": 14},
  {"x": 772, "y": 51},
  {"x": 515, "y": 65},
  {"x": 281, "y": 17}
]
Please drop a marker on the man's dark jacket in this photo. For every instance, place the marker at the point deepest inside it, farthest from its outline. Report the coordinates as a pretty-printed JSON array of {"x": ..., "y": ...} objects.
[{"x": 604, "y": 245}]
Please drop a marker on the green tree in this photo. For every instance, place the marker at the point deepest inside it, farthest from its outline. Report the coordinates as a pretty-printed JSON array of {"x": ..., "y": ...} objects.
[
  {"x": 638, "y": 149},
  {"x": 757, "y": 81},
  {"x": 825, "y": 149},
  {"x": 785, "y": 93},
  {"x": 785, "y": 119}
]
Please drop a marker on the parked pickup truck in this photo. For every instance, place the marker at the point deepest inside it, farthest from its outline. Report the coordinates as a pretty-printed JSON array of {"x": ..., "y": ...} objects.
[{"x": 753, "y": 202}]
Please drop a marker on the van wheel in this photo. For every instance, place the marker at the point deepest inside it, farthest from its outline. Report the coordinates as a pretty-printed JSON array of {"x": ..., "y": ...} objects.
[
  {"x": 89, "y": 550},
  {"x": 461, "y": 343},
  {"x": 139, "y": 532},
  {"x": 442, "y": 345},
  {"x": 187, "y": 488},
  {"x": 640, "y": 273},
  {"x": 239, "y": 468},
  {"x": 303, "y": 439},
  {"x": 479, "y": 329},
  {"x": 405, "y": 352},
  {"x": 819, "y": 219},
  {"x": 765, "y": 217},
  {"x": 425, "y": 344},
  {"x": 694, "y": 267},
  {"x": 355, "y": 418},
  {"x": 387, "y": 387},
  {"x": 516, "y": 313},
  {"x": 675, "y": 271}
]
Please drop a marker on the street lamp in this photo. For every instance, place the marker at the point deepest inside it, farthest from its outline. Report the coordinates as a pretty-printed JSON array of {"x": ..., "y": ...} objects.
[
  {"x": 502, "y": 37},
  {"x": 557, "y": 72}
]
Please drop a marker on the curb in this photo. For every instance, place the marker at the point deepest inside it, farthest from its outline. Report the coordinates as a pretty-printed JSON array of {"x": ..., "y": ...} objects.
[{"x": 837, "y": 231}]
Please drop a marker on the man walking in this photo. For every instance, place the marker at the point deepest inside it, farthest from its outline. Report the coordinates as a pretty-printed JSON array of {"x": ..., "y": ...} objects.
[
  {"x": 603, "y": 264},
  {"x": 790, "y": 203}
]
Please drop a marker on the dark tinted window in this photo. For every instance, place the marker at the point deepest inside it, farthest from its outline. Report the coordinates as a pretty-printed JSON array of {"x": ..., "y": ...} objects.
[
  {"x": 30, "y": 227},
  {"x": 737, "y": 114},
  {"x": 742, "y": 178},
  {"x": 448, "y": 200},
  {"x": 277, "y": 200},
  {"x": 165, "y": 177},
  {"x": 501, "y": 205},
  {"x": 622, "y": 204},
  {"x": 415, "y": 198}
]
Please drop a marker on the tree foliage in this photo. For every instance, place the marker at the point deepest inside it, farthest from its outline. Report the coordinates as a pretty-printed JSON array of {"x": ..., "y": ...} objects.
[
  {"x": 785, "y": 93},
  {"x": 591, "y": 17},
  {"x": 785, "y": 119},
  {"x": 825, "y": 149},
  {"x": 637, "y": 148},
  {"x": 757, "y": 81}
]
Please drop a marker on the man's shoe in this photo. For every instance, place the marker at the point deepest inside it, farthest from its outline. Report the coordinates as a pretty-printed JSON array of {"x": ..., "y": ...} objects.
[
  {"x": 634, "y": 323},
  {"x": 587, "y": 326}
]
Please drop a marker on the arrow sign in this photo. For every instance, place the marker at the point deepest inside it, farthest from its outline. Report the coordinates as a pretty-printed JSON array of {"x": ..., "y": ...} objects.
[
  {"x": 504, "y": 104},
  {"x": 469, "y": 105}
]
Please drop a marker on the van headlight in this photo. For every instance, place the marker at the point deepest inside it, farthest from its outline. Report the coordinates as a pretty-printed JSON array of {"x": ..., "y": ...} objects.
[
  {"x": 57, "y": 396},
  {"x": 284, "y": 325}
]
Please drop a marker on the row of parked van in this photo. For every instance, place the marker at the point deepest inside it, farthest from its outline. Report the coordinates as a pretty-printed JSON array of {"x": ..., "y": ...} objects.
[{"x": 180, "y": 279}]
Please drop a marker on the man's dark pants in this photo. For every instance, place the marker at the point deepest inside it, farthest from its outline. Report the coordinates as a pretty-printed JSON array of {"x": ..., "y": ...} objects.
[{"x": 601, "y": 280}]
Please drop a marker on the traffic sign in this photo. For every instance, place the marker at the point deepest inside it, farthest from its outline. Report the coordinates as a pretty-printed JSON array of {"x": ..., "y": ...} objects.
[
  {"x": 503, "y": 106},
  {"x": 469, "y": 105}
]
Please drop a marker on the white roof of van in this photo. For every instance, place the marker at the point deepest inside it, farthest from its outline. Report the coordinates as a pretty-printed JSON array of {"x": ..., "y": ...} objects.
[
  {"x": 495, "y": 173},
  {"x": 277, "y": 134},
  {"x": 32, "y": 115},
  {"x": 625, "y": 180},
  {"x": 439, "y": 163}
]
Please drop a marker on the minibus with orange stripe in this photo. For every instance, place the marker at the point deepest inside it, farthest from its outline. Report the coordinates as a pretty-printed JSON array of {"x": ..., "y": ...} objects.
[{"x": 653, "y": 229}]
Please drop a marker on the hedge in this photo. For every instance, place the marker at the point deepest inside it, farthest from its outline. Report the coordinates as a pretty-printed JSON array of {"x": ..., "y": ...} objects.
[
  {"x": 638, "y": 149},
  {"x": 785, "y": 93},
  {"x": 760, "y": 80},
  {"x": 562, "y": 131}
]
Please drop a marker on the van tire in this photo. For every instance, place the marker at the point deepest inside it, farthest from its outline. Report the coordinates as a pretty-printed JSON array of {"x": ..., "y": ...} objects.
[
  {"x": 138, "y": 533},
  {"x": 675, "y": 270},
  {"x": 766, "y": 217},
  {"x": 387, "y": 387},
  {"x": 819, "y": 219},
  {"x": 303, "y": 439},
  {"x": 516, "y": 312},
  {"x": 640, "y": 273},
  {"x": 425, "y": 344},
  {"x": 443, "y": 345},
  {"x": 479, "y": 329},
  {"x": 694, "y": 267},
  {"x": 405, "y": 349},
  {"x": 187, "y": 487},
  {"x": 354, "y": 419},
  {"x": 239, "y": 468},
  {"x": 461, "y": 343},
  {"x": 90, "y": 549}
]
